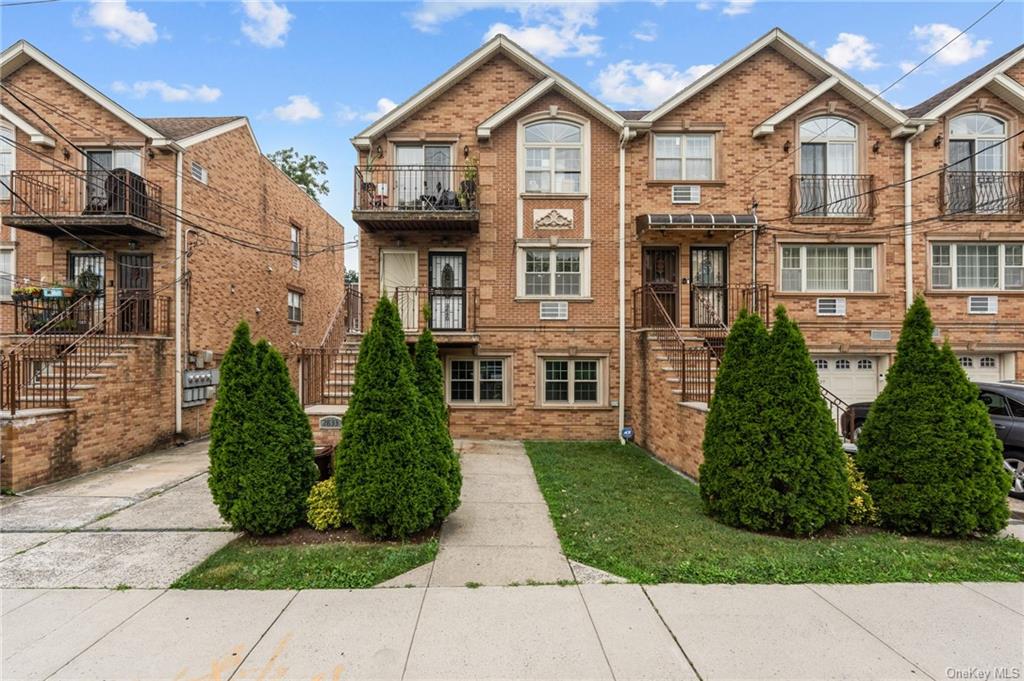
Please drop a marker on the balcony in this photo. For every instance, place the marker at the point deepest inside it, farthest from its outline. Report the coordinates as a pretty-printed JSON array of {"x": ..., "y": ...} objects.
[
  {"x": 419, "y": 198},
  {"x": 452, "y": 311},
  {"x": 94, "y": 202},
  {"x": 838, "y": 198},
  {"x": 995, "y": 195}
]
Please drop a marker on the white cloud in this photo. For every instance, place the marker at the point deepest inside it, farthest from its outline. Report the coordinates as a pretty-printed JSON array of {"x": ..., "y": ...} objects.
[
  {"x": 907, "y": 66},
  {"x": 963, "y": 49},
  {"x": 852, "y": 51},
  {"x": 705, "y": 6},
  {"x": 119, "y": 22},
  {"x": 169, "y": 93},
  {"x": 646, "y": 32},
  {"x": 299, "y": 108},
  {"x": 737, "y": 7},
  {"x": 347, "y": 114},
  {"x": 553, "y": 30},
  {"x": 631, "y": 83},
  {"x": 267, "y": 23},
  {"x": 429, "y": 16}
]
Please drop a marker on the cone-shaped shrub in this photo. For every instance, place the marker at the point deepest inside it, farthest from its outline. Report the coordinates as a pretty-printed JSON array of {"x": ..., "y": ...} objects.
[
  {"x": 230, "y": 450},
  {"x": 804, "y": 467},
  {"x": 733, "y": 434},
  {"x": 385, "y": 485},
  {"x": 928, "y": 450},
  {"x": 275, "y": 482},
  {"x": 437, "y": 441}
]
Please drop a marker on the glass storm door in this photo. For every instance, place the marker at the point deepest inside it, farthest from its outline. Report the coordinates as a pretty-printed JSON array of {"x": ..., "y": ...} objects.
[
  {"x": 708, "y": 286},
  {"x": 399, "y": 278},
  {"x": 448, "y": 291}
]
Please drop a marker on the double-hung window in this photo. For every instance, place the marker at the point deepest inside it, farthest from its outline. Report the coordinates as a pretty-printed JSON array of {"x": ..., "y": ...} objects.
[
  {"x": 294, "y": 307},
  {"x": 977, "y": 266},
  {"x": 554, "y": 272},
  {"x": 554, "y": 157},
  {"x": 684, "y": 157},
  {"x": 477, "y": 380},
  {"x": 6, "y": 272},
  {"x": 828, "y": 268},
  {"x": 6, "y": 159},
  {"x": 575, "y": 381},
  {"x": 296, "y": 247}
]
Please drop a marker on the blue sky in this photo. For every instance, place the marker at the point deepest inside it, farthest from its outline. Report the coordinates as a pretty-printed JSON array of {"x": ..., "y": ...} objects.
[{"x": 312, "y": 74}]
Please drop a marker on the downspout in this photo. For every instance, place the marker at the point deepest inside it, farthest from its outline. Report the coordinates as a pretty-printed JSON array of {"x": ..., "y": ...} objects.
[
  {"x": 908, "y": 218},
  {"x": 178, "y": 237},
  {"x": 623, "y": 140}
]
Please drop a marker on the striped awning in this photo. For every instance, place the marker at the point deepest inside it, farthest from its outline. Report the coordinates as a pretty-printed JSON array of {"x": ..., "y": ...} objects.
[{"x": 695, "y": 221}]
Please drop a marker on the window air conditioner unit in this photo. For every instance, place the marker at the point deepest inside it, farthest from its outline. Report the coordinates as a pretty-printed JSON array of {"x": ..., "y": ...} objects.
[
  {"x": 554, "y": 309},
  {"x": 982, "y": 305},
  {"x": 831, "y": 307},
  {"x": 685, "y": 193}
]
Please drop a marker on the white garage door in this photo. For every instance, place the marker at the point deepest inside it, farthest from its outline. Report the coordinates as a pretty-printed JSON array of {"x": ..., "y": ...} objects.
[
  {"x": 851, "y": 378},
  {"x": 981, "y": 368}
]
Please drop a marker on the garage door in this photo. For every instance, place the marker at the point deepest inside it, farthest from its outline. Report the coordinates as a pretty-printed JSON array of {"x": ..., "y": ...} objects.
[
  {"x": 981, "y": 368},
  {"x": 851, "y": 378}
]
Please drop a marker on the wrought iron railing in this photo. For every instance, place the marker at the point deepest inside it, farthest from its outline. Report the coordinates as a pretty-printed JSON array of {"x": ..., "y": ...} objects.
[
  {"x": 42, "y": 371},
  {"x": 841, "y": 413},
  {"x": 67, "y": 193},
  {"x": 981, "y": 192},
  {"x": 449, "y": 310},
  {"x": 693, "y": 363},
  {"x": 323, "y": 377},
  {"x": 345, "y": 319},
  {"x": 832, "y": 196},
  {"x": 399, "y": 188},
  {"x": 68, "y": 316}
]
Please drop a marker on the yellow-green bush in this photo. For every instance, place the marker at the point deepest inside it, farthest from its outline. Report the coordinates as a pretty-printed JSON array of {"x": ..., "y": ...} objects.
[
  {"x": 324, "y": 512},
  {"x": 861, "y": 510}
]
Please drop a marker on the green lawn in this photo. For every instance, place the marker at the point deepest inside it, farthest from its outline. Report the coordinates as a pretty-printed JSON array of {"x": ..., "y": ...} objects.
[
  {"x": 245, "y": 564},
  {"x": 617, "y": 509}
]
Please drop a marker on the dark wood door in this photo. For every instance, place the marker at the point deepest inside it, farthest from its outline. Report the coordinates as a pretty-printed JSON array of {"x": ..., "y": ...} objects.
[
  {"x": 661, "y": 274},
  {"x": 447, "y": 291},
  {"x": 135, "y": 292},
  {"x": 708, "y": 280}
]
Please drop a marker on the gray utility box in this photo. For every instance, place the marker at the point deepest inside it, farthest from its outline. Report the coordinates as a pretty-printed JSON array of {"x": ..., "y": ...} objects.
[{"x": 200, "y": 385}]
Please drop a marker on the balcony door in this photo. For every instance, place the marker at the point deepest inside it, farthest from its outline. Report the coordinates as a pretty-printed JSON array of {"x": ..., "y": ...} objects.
[
  {"x": 423, "y": 176},
  {"x": 975, "y": 181},
  {"x": 448, "y": 291},
  {"x": 828, "y": 160},
  {"x": 102, "y": 191},
  {"x": 661, "y": 274},
  {"x": 399, "y": 281},
  {"x": 708, "y": 293}
]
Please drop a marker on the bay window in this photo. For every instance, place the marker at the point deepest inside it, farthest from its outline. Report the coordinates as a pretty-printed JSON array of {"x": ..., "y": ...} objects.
[
  {"x": 828, "y": 268},
  {"x": 572, "y": 381},
  {"x": 684, "y": 157},
  {"x": 477, "y": 380},
  {"x": 977, "y": 266},
  {"x": 554, "y": 157},
  {"x": 553, "y": 272}
]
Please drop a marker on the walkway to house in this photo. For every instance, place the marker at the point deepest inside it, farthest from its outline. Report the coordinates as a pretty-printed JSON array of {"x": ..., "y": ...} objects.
[{"x": 142, "y": 523}]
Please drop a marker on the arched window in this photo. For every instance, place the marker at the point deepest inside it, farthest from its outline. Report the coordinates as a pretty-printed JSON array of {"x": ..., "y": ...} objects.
[
  {"x": 976, "y": 143},
  {"x": 988, "y": 362},
  {"x": 828, "y": 146},
  {"x": 865, "y": 364},
  {"x": 967, "y": 362},
  {"x": 842, "y": 364},
  {"x": 821, "y": 364},
  {"x": 6, "y": 158},
  {"x": 554, "y": 157}
]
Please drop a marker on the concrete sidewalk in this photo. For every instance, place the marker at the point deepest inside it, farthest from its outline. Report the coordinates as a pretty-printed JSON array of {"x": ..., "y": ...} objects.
[
  {"x": 884, "y": 631},
  {"x": 142, "y": 523}
]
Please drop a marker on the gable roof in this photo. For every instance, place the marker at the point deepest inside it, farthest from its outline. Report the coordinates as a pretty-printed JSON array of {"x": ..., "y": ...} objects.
[
  {"x": 180, "y": 127},
  {"x": 23, "y": 52},
  {"x": 35, "y": 136},
  {"x": 807, "y": 59},
  {"x": 497, "y": 44},
  {"x": 536, "y": 92},
  {"x": 939, "y": 103}
]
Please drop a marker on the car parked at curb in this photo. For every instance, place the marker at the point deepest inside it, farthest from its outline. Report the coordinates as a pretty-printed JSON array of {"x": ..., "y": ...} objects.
[{"x": 1005, "y": 404}]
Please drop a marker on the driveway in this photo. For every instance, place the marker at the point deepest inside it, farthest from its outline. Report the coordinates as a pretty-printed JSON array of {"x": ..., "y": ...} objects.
[{"x": 142, "y": 523}]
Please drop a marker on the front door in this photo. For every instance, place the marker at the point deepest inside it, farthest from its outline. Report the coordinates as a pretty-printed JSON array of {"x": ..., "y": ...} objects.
[
  {"x": 399, "y": 279},
  {"x": 135, "y": 292},
  {"x": 708, "y": 293},
  {"x": 88, "y": 271},
  {"x": 448, "y": 291},
  {"x": 661, "y": 273}
]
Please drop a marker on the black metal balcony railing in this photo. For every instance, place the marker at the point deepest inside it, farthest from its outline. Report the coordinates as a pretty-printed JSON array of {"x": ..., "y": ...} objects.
[
  {"x": 982, "y": 192},
  {"x": 450, "y": 310},
  {"x": 72, "y": 193},
  {"x": 710, "y": 306},
  {"x": 832, "y": 196},
  {"x": 415, "y": 188}
]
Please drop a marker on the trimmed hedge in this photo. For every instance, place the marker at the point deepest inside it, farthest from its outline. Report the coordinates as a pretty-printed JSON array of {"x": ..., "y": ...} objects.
[
  {"x": 928, "y": 449},
  {"x": 437, "y": 440}
]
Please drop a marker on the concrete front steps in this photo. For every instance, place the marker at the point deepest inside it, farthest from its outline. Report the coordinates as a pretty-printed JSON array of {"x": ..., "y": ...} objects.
[
  {"x": 662, "y": 345},
  {"x": 47, "y": 390},
  {"x": 342, "y": 375}
]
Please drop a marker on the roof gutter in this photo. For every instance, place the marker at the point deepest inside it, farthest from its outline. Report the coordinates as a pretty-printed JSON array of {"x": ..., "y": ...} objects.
[{"x": 624, "y": 137}]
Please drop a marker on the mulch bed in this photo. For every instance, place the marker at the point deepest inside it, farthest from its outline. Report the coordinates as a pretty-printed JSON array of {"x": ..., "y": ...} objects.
[{"x": 307, "y": 536}]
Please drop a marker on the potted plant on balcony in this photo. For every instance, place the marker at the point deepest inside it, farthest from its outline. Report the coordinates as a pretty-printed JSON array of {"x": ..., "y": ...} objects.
[
  {"x": 467, "y": 188},
  {"x": 23, "y": 294}
]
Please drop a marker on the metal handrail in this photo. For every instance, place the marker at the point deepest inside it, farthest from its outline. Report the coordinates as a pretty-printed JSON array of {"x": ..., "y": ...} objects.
[
  {"x": 415, "y": 188},
  {"x": 64, "y": 314},
  {"x": 682, "y": 355}
]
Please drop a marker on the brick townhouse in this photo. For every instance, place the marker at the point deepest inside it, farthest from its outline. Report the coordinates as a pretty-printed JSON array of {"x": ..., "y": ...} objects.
[
  {"x": 170, "y": 230},
  {"x": 581, "y": 265}
]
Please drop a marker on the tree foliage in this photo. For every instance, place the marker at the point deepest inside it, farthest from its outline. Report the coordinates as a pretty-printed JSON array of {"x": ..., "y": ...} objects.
[
  {"x": 437, "y": 441},
  {"x": 305, "y": 170},
  {"x": 928, "y": 450}
]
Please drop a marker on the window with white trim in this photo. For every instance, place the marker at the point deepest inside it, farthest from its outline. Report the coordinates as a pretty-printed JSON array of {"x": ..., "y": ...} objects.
[
  {"x": 296, "y": 247},
  {"x": 199, "y": 173},
  {"x": 688, "y": 156},
  {"x": 977, "y": 266},
  {"x": 553, "y": 272},
  {"x": 828, "y": 268},
  {"x": 572, "y": 381},
  {"x": 554, "y": 157},
  {"x": 294, "y": 307},
  {"x": 477, "y": 380},
  {"x": 6, "y": 272},
  {"x": 6, "y": 159}
]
